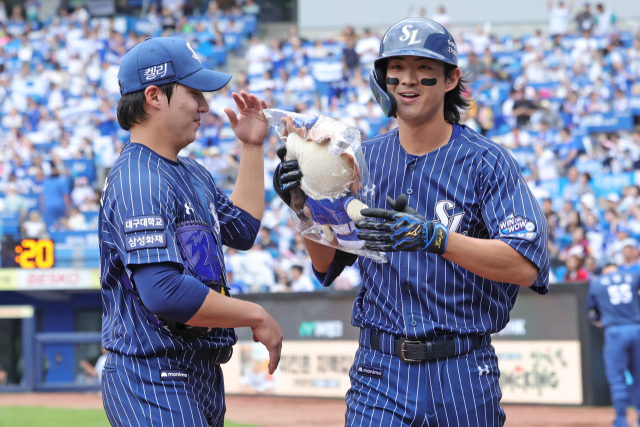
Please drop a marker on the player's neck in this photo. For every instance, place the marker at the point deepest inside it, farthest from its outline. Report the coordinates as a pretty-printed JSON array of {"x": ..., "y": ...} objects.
[
  {"x": 419, "y": 139},
  {"x": 147, "y": 137}
]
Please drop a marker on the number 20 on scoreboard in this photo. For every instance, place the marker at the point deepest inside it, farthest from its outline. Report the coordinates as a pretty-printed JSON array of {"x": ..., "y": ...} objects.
[{"x": 35, "y": 253}]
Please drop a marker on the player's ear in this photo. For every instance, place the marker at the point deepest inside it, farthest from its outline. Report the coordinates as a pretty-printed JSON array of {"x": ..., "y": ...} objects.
[
  {"x": 153, "y": 96},
  {"x": 451, "y": 80}
]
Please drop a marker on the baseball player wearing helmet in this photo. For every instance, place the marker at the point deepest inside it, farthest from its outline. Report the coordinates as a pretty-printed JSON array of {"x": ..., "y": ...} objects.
[
  {"x": 462, "y": 233},
  {"x": 167, "y": 316},
  {"x": 612, "y": 304}
]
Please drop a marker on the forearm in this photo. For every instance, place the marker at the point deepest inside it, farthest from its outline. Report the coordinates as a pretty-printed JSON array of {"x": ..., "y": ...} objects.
[
  {"x": 321, "y": 255},
  {"x": 219, "y": 311},
  {"x": 248, "y": 193},
  {"x": 490, "y": 258}
]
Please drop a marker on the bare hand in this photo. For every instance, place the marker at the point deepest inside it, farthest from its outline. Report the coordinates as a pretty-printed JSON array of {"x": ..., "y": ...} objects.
[
  {"x": 269, "y": 334},
  {"x": 251, "y": 127}
]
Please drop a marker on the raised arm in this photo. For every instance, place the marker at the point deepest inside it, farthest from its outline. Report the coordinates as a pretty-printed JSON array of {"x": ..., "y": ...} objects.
[{"x": 251, "y": 128}]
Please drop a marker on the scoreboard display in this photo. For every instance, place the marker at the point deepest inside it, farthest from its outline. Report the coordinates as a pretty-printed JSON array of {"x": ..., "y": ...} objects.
[{"x": 28, "y": 254}]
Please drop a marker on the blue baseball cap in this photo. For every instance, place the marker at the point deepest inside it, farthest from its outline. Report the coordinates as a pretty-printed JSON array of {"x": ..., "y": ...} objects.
[{"x": 161, "y": 60}]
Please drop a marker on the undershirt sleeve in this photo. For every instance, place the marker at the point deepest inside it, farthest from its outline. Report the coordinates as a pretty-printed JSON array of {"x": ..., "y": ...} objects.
[{"x": 166, "y": 292}]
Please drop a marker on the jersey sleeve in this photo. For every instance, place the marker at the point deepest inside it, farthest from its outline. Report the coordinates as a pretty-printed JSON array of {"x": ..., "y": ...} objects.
[
  {"x": 140, "y": 212},
  {"x": 512, "y": 214},
  {"x": 593, "y": 313},
  {"x": 237, "y": 227}
]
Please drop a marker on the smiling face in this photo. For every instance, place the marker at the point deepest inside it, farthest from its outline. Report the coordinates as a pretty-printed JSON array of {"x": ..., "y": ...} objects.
[
  {"x": 417, "y": 102},
  {"x": 181, "y": 116}
]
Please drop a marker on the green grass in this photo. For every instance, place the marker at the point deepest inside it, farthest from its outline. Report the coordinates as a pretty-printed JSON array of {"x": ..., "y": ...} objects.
[{"x": 38, "y": 416}]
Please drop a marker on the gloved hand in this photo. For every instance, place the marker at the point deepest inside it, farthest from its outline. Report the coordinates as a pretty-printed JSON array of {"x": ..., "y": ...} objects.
[
  {"x": 286, "y": 177},
  {"x": 404, "y": 229}
]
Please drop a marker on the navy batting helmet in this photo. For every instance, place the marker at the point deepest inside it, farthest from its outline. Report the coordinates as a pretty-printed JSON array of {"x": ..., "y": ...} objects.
[{"x": 410, "y": 37}]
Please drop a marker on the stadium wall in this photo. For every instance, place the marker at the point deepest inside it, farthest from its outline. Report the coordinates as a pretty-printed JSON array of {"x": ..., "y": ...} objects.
[{"x": 555, "y": 358}]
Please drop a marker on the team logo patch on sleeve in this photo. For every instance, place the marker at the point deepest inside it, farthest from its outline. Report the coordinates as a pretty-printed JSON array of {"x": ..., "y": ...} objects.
[
  {"x": 518, "y": 227},
  {"x": 370, "y": 371},
  {"x": 143, "y": 223},
  {"x": 146, "y": 241},
  {"x": 173, "y": 375}
]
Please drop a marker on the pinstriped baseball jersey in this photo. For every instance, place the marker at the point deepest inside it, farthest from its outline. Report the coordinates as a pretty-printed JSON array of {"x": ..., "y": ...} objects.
[
  {"x": 615, "y": 296},
  {"x": 145, "y": 197},
  {"x": 473, "y": 186}
]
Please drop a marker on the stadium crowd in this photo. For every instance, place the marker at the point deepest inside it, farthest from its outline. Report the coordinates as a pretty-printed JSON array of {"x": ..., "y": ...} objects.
[{"x": 542, "y": 96}]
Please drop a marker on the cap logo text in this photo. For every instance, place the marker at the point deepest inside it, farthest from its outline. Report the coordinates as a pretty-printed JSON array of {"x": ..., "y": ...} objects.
[{"x": 157, "y": 72}]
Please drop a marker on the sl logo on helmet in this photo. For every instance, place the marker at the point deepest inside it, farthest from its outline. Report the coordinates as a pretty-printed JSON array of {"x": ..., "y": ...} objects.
[{"x": 406, "y": 34}]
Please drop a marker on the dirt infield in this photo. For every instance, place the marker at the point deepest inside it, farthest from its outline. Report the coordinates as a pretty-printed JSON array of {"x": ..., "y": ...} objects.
[{"x": 304, "y": 412}]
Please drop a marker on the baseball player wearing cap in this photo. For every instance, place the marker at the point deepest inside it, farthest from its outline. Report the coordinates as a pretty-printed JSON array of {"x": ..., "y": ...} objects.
[
  {"x": 462, "y": 235},
  {"x": 612, "y": 304},
  {"x": 167, "y": 316}
]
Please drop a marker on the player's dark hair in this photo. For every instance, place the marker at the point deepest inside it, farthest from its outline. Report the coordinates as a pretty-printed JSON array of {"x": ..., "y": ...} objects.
[
  {"x": 454, "y": 103},
  {"x": 131, "y": 106}
]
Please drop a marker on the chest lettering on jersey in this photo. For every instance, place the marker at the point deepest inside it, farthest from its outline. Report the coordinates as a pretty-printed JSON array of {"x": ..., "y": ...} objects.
[
  {"x": 188, "y": 207},
  {"x": 452, "y": 222}
]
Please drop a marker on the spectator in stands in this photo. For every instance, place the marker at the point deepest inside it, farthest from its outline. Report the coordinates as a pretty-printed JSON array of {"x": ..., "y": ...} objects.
[
  {"x": 558, "y": 17},
  {"x": 575, "y": 272},
  {"x": 367, "y": 49},
  {"x": 251, "y": 8},
  {"x": 516, "y": 138},
  {"x": 302, "y": 82},
  {"x": 267, "y": 243},
  {"x": 14, "y": 202},
  {"x": 579, "y": 245},
  {"x": 34, "y": 227},
  {"x": 441, "y": 17},
  {"x": 523, "y": 108},
  {"x": 604, "y": 20},
  {"x": 630, "y": 257},
  {"x": 258, "y": 57},
  {"x": 54, "y": 199},
  {"x": 236, "y": 286},
  {"x": 350, "y": 58},
  {"x": 567, "y": 150},
  {"x": 257, "y": 267},
  {"x": 585, "y": 19},
  {"x": 474, "y": 67},
  {"x": 76, "y": 221},
  {"x": 299, "y": 281}
]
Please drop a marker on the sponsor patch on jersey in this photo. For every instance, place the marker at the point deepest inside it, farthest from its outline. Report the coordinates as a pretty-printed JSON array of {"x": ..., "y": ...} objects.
[
  {"x": 370, "y": 371},
  {"x": 157, "y": 72},
  {"x": 518, "y": 227},
  {"x": 143, "y": 223},
  {"x": 173, "y": 375},
  {"x": 145, "y": 241}
]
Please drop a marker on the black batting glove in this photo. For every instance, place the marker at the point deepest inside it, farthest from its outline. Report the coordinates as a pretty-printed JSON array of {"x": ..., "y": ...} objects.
[
  {"x": 286, "y": 177},
  {"x": 404, "y": 229}
]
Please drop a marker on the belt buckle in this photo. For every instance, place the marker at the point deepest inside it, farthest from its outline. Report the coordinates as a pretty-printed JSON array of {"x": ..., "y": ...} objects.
[
  {"x": 403, "y": 350},
  {"x": 216, "y": 360}
]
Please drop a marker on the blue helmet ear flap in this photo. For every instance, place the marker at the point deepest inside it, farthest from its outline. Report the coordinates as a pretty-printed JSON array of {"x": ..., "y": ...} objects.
[{"x": 386, "y": 99}]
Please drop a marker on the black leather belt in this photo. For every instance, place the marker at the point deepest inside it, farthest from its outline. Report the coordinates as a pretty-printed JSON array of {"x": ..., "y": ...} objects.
[
  {"x": 412, "y": 351},
  {"x": 217, "y": 356}
]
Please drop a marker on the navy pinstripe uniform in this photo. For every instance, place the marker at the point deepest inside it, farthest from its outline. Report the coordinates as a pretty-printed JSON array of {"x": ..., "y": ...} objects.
[
  {"x": 155, "y": 376},
  {"x": 474, "y": 187},
  {"x": 613, "y": 300}
]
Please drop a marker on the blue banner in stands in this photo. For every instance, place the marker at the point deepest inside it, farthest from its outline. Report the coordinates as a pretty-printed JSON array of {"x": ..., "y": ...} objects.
[
  {"x": 614, "y": 183},
  {"x": 75, "y": 238},
  {"x": 609, "y": 122},
  {"x": 81, "y": 167}
]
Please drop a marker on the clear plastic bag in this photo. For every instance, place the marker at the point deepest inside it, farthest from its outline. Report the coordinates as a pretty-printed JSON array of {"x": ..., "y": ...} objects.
[{"x": 335, "y": 183}]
